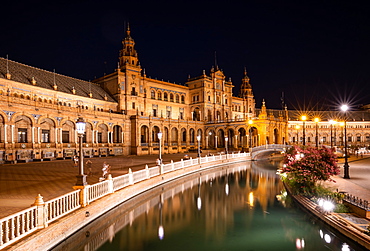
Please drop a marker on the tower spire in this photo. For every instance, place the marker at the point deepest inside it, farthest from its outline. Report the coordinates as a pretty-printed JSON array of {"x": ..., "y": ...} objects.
[
  {"x": 128, "y": 32},
  {"x": 128, "y": 55},
  {"x": 246, "y": 88}
]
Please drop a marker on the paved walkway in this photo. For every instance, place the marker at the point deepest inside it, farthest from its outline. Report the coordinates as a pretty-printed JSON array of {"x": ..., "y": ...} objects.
[
  {"x": 359, "y": 182},
  {"x": 21, "y": 183}
]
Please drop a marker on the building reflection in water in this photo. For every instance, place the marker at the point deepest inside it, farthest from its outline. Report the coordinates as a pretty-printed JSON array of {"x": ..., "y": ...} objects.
[{"x": 204, "y": 205}]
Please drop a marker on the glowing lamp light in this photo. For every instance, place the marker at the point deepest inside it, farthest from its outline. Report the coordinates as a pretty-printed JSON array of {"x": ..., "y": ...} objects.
[
  {"x": 299, "y": 243},
  {"x": 227, "y": 189},
  {"x": 199, "y": 203},
  {"x": 327, "y": 238},
  {"x": 345, "y": 247},
  {"x": 251, "y": 199},
  {"x": 160, "y": 134},
  {"x": 328, "y": 206},
  {"x": 80, "y": 126},
  {"x": 198, "y": 137},
  {"x": 344, "y": 108},
  {"x": 160, "y": 232}
]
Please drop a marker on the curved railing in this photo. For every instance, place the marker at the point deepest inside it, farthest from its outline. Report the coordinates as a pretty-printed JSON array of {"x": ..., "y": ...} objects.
[{"x": 21, "y": 224}]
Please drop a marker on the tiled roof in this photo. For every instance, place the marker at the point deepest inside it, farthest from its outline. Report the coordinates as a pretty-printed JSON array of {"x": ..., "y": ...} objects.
[{"x": 23, "y": 73}]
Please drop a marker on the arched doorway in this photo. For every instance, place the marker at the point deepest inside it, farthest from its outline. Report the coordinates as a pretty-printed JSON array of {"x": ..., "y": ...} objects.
[
  {"x": 242, "y": 142},
  {"x": 144, "y": 135},
  {"x": 276, "y": 136}
]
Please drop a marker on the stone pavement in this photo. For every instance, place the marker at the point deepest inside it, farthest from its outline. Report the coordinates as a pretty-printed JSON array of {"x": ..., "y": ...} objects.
[
  {"x": 20, "y": 183},
  {"x": 359, "y": 182}
]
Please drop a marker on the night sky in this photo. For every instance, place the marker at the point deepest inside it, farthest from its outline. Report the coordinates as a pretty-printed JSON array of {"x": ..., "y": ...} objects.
[{"x": 315, "y": 52}]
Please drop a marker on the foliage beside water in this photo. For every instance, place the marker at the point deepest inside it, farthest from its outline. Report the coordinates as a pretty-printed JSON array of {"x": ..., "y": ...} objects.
[{"x": 305, "y": 167}]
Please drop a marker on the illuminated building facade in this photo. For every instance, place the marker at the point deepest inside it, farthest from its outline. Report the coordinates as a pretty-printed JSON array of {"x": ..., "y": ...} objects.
[{"x": 125, "y": 110}]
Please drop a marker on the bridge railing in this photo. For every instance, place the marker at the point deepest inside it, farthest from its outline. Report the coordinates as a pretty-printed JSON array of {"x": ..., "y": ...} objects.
[
  {"x": 21, "y": 224},
  {"x": 270, "y": 146}
]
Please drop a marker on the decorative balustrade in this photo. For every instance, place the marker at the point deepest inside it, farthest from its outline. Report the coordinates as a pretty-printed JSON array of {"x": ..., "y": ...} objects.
[
  {"x": 17, "y": 226},
  {"x": 364, "y": 204},
  {"x": 21, "y": 224},
  {"x": 121, "y": 182},
  {"x": 62, "y": 205}
]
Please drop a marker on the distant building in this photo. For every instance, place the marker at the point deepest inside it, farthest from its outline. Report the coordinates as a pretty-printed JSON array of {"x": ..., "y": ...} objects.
[{"x": 330, "y": 128}]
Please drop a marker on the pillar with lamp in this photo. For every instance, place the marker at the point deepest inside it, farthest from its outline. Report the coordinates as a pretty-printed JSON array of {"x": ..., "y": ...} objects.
[
  {"x": 297, "y": 127},
  {"x": 344, "y": 108},
  {"x": 80, "y": 127},
  {"x": 304, "y": 118},
  {"x": 332, "y": 123},
  {"x": 226, "y": 142},
  {"x": 341, "y": 124},
  {"x": 250, "y": 123},
  {"x": 160, "y": 134},
  {"x": 317, "y": 120},
  {"x": 198, "y": 139}
]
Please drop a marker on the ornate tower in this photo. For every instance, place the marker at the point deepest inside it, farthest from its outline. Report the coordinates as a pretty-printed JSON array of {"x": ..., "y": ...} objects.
[
  {"x": 128, "y": 56},
  {"x": 247, "y": 95}
]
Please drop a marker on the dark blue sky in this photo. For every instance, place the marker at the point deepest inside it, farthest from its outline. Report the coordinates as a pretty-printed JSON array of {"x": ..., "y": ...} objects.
[{"x": 316, "y": 52}]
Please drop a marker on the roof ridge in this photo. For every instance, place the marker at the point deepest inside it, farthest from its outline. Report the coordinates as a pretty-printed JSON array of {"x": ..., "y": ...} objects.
[{"x": 40, "y": 69}]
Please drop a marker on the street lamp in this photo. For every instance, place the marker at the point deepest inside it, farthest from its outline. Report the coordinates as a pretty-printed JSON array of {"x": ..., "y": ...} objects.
[
  {"x": 226, "y": 140},
  {"x": 344, "y": 108},
  {"x": 317, "y": 137},
  {"x": 250, "y": 122},
  {"x": 160, "y": 134},
  {"x": 304, "y": 118},
  {"x": 198, "y": 138},
  {"x": 332, "y": 122},
  {"x": 297, "y": 127},
  {"x": 341, "y": 124},
  {"x": 80, "y": 127},
  {"x": 209, "y": 140}
]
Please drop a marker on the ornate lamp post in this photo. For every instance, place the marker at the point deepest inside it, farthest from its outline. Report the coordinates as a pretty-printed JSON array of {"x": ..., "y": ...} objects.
[
  {"x": 250, "y": 122},
  {"x": 226, "y": 141},
  {"x": 341, "y": 124},
  {"x": 344, "y": 108},
  {"x": 208, "y": 139},
  {"x": 332, "y": 122},
  {"x": 80, "y": 127},
  {"x": 160, "y": 134},
  {"x": 297, "y": 128},
  {"x": 317, "y": 137},
  {"x": 304, "y": 118},
  {"x": 198, "y": 138}
]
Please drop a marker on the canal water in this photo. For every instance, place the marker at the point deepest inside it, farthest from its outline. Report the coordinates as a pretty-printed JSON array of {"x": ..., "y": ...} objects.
[{"x": 235, "y": 207}]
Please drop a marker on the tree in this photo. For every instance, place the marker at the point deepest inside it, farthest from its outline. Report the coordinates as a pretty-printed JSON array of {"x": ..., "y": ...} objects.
[{"x": 304, "y": 167}]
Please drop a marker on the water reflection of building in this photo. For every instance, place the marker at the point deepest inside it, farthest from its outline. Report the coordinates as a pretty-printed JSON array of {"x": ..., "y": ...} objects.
[{"x": 180, "y": 211}]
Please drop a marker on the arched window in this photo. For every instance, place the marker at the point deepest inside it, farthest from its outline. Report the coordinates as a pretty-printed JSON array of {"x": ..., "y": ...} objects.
[
  {"x": 182, "y": 99},
  {"x": 165, "y": 96},
  {"x": 152, "y": 94},
  {"x": 159, "y": 95},
  {"x": 171, "y": 97},
  {"x": 177, "y": 98}
]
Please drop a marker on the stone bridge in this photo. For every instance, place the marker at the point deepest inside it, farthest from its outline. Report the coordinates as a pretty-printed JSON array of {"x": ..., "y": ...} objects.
[{"x": 262, "y": 152}]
